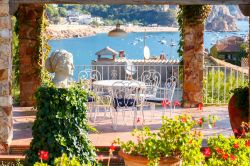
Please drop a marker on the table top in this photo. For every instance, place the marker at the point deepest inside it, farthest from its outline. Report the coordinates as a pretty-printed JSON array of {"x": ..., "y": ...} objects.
[{"x": 110, "y": 83}]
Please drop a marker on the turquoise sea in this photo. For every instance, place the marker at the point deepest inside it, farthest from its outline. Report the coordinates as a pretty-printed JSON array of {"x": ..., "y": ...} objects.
[{"x": 84, "y": 49}]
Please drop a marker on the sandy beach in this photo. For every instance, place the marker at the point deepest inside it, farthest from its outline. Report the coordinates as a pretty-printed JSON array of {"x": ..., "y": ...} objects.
[{"x": 70, "y": 31}]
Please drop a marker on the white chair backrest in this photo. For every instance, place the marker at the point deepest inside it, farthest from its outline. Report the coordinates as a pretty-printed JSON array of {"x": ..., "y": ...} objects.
[
  {"x": 87, "y": 77},
  {"x": 169, "y": 89},
  {"x": 152, "y": 80}
]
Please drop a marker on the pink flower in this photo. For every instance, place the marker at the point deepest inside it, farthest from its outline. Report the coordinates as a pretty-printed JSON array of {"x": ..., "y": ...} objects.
[
  {"x": 207, "y": 152},
  {"x": 100, "y": 158},
  {"x": 43, "y": 155},
  {"x": 177, "y": 103},
  {"x": 165, "y": 103},
  {"x": 232, "y": 157}
]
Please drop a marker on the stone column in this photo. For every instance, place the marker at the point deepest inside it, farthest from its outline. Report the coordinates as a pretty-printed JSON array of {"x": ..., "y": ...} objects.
[
  {"x": 29, "y": 32},
  {"x": 193, "y": 64},
  {"x": 6, "y": 124}
]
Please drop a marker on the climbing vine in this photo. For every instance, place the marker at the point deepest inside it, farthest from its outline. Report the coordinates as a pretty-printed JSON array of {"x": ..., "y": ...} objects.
[
  {"x": 191, "y": 14},
  {"x": 15, "y": 61},
  {"x": 43, "y": 48}
]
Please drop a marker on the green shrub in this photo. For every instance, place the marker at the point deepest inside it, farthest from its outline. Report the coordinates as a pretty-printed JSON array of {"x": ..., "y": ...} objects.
[
  {"x": 61, "y": 126},
  {"x": 217, "y": 85}
]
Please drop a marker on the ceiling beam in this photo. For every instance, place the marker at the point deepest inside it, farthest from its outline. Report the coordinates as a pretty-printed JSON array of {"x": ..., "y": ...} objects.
[{"x": 136, "y": 2}]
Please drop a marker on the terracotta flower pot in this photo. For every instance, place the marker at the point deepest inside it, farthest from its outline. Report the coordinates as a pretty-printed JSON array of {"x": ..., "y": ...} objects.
[
  {"x": 235, "y": 115},
  {"x": 143, "y": 161}
]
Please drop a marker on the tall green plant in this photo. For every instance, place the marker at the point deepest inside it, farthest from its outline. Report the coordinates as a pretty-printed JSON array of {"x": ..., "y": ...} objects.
[
  {"x": 43, "y": 48},
  {"x": 217, "y": 85},
  {"x": 61, "y": 126},
  {"x": 15, "y": 61}
]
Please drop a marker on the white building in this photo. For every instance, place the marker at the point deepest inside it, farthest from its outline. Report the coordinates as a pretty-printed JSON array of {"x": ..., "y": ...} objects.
[{"x": 85, "y": 19}]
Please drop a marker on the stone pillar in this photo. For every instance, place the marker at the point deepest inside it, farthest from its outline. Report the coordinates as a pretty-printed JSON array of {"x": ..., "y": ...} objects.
[
  {"x": 29, "y": 32},
  {"x": 193, "y": 64},
  {"x": 6, "y": 124}
]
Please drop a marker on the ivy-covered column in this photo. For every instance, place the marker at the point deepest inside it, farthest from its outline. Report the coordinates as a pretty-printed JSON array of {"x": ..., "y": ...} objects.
[
  {"x": 192, "y": 23},
  {"x": 6, "y": 124},
  {"x": 30, "y": 20}
]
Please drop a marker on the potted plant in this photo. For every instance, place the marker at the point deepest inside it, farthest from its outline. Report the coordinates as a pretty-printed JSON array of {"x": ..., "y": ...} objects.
[
  {"x": 175, "y": 143},
  {"x": 228, "y": 151},
  {"x": 238, "y": 108}
]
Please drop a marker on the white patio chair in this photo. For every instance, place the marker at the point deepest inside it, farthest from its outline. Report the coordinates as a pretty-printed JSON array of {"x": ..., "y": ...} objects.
[
  {"x": 96, "y": 98},
  {"x": 152, "y": 80},
  {"x": 126, "y": 97},
  {"x": 169, "y": 90}
]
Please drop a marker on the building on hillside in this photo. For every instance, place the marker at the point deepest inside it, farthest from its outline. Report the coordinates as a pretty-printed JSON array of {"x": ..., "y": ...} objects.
[
  {"x": 228, "y": 49},
  {"x": 85, "y": 19}
]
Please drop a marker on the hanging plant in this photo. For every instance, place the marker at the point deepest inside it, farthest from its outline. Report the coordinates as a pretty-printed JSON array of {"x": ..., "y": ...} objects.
[{"x": 191, "y": 14}]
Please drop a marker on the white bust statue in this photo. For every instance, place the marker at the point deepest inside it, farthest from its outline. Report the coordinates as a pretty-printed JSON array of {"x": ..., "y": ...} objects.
[{"x": 61, "y": 63}]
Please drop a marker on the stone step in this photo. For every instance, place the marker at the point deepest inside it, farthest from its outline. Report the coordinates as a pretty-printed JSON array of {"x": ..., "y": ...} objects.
[
  {"x": 11, "y": 159},
  {"x": 18, "y": 149}
]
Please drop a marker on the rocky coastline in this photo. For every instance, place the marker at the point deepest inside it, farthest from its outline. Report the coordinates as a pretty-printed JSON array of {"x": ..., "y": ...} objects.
[{"x": 56, "y": 32}]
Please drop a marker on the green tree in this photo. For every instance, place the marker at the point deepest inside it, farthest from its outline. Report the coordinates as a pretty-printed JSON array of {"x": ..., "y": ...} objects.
[{"x": 62, "y": 12}]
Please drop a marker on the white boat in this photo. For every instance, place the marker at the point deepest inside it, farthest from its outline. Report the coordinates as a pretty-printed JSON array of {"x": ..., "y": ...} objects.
[{"x": 163, "y": 41}]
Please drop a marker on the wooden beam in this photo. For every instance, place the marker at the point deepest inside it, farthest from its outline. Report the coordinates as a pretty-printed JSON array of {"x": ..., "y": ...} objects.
[{"x": 136, "y": 2}]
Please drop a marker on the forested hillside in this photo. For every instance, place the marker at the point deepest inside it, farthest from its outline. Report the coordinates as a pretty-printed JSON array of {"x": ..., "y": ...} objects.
[{"x": 144, "y": 15}]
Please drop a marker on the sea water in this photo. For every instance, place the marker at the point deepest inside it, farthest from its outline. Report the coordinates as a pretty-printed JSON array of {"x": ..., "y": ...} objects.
[{"x": 84, "y": 49}]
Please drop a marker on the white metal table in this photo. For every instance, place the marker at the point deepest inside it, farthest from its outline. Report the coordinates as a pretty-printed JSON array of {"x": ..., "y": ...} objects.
[{"x": 110, "y": 83}]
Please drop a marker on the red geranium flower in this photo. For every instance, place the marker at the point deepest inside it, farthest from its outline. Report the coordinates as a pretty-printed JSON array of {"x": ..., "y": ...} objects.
[
  {"x": 177, "y": 103},
  {"x": 236, "y": 146},
  {"x": 43, "y": 155},
  {"x": 207, "y": 152},
  {"x": 232, "y": 157},
  {"x": 225, "y": 156},
  {"x": 165, "y": 103},
  {"x": 200, "y": 122},
  {"x": 218, "y": 150},
  {"x": 247, "y": 143},
  {"x": 200, "y": 107},
  {"x": 112, "y": 147},
  {"x": 184, "y": 119}
]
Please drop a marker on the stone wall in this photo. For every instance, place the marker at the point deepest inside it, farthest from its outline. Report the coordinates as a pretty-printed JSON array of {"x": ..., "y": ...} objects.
[
  {"x": 6, "y": 124},
  {"x": 193, "y": 64},
  {"x": 29, "y": 32}
]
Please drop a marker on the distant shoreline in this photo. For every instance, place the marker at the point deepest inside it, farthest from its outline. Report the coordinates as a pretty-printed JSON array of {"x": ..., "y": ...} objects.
[{"x": 57, "y": 32}]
